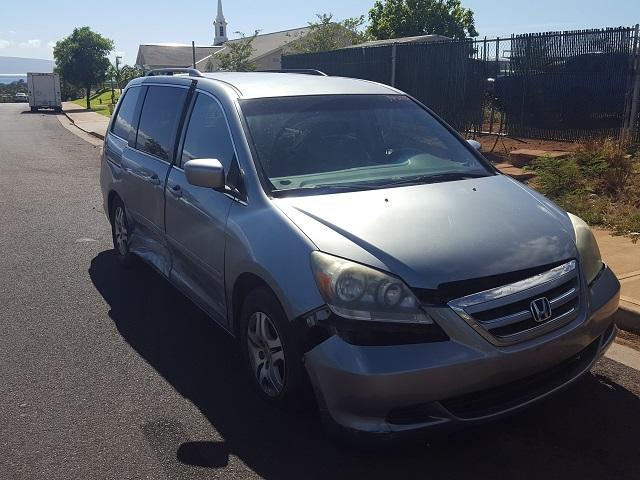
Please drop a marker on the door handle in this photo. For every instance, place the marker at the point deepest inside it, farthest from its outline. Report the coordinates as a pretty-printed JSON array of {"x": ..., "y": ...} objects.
[
  {"x": 153, "y": 179},
  {"x": 176, "y": 191}
]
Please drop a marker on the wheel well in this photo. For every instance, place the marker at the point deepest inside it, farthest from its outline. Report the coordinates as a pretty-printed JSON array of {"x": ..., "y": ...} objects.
[
  {"x": 112, "y": 196},
  {"x": 244, "y": 284}
]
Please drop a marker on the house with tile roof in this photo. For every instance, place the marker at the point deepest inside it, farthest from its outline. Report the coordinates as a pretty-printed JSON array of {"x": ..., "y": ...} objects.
[{"x": 172, "y": 55}]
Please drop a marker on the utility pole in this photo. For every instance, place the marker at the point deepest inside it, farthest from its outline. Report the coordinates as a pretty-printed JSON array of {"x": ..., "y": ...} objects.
[{"x": 394, "y": 63}]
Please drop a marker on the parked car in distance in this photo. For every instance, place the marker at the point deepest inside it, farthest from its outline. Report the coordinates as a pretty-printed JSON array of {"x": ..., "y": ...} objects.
[
  {"x": 352, "y": 241},
  {"x": 20, "y": 97}
]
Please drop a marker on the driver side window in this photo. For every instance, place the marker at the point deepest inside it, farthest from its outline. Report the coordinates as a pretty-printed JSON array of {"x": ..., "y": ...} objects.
[{"x": 207, "y": 134}]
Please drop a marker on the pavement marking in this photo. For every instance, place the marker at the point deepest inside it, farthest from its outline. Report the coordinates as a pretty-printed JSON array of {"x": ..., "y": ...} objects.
[
  {"x": 629, "y": 275},
  {"x": 84, "y": 240},
  {"x": 629, "y": 300},
  {"x": 625, "y": 355}
]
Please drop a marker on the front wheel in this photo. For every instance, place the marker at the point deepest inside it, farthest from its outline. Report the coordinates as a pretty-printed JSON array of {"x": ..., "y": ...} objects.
[
  {"x": 120, "y": 233},
  {"x": 271, "y": 351}
]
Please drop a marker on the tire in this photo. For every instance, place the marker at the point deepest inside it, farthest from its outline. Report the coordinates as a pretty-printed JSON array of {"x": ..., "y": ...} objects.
[
  {"x": 120, "y": 234},
  {"x": 272, "y": 352},
  {"x": 34, "y": 109}
]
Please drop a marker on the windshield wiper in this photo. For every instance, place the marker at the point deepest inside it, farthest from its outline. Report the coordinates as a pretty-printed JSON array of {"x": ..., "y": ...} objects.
[
  {"x": 313, "y": 189},
  {"x": 353, "y": 187},
  {"x": 437, "y": 177}
]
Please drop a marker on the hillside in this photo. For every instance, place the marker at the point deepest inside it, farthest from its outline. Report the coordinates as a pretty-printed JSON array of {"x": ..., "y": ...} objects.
[{"x": 21, "y": 65}]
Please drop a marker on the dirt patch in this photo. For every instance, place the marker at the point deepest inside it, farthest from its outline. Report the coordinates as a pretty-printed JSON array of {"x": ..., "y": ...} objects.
[
  {"x": 628, "y": 339},
  {"x": 499, "y": 152}
]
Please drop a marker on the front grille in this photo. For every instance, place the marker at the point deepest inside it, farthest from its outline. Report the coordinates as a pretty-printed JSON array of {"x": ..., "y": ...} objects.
[
  {"x": 445, "y": 292},
  {"x": 505, "y": 315},
  {"x": 505, "y": 397}
]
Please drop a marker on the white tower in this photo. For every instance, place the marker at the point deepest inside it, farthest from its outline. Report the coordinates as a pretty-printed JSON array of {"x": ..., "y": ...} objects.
[{"x": 221, "y": 26}]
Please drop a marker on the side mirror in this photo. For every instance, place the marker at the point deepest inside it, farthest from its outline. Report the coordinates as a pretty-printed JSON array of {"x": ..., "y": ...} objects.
[
  {"x": 475, "y": 144},
  {"x": 205, "y": 172}
]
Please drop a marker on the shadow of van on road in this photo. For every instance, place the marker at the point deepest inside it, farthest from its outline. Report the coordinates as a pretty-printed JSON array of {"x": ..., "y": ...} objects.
[{"x": 591, "y": 430}]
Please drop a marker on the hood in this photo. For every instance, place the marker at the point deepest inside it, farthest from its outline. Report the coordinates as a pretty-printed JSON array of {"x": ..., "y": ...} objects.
[{"x": 438, "y": 233}]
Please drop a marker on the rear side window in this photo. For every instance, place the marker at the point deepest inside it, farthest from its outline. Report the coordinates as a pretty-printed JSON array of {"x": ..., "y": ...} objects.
[
  {"x": 123, "y": 124},
  {"x": 207, "y": 134},
  {"x": 159, "y": 120}
]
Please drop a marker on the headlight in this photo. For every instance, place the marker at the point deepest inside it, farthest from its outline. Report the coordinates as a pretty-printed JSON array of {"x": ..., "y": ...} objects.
[
  {"x": 587, "y": 248},
  {"x": 357, "y": 292}
]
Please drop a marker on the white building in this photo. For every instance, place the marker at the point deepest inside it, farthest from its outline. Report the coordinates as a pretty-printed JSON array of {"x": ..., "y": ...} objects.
[{"x": 267, "y": 49}]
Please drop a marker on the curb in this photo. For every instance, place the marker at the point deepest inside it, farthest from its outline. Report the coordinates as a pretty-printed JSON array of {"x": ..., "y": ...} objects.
[
  {"x": 94, "y": 134},
  {"x": 628, "y": 317}
]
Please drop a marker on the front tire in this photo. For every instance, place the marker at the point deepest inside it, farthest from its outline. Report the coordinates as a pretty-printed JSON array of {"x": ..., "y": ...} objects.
[
  {"x": 271, "y": 351},
  {"x": 120, "y": 234}
]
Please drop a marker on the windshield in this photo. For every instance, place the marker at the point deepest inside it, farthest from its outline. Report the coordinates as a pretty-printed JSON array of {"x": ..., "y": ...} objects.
[{"x": 353, "y": 141}]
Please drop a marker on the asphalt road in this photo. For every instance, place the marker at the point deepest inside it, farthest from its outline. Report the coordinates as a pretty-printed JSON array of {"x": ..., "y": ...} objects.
[{"x": 107, "y": 374}]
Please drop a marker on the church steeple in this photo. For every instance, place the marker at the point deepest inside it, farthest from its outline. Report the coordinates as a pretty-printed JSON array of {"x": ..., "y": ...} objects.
[{"x": 221, "y": 26}]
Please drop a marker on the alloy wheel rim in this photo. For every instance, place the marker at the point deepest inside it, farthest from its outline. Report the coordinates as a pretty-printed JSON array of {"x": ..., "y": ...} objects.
[
  {"x": 266, "y": 354},
  {"x": 121, "y": 231}
]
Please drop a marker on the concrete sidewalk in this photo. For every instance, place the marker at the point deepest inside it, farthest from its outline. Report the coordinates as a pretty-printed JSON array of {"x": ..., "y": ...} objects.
[
  {"x": 623, "y": 256},
  {"x": 90, "y": 122}
]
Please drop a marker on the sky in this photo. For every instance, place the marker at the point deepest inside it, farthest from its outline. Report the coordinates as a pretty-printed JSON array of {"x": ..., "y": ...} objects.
[{"x": 31, "y": 30}]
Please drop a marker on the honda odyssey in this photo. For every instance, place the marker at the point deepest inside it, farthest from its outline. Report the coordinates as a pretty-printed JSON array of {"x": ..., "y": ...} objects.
[{"x": 354, "y": 244}]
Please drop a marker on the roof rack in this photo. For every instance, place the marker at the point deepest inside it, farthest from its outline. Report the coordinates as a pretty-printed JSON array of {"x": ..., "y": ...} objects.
[
  {"x": 170, "y": 71},
  {"x": 304, "y": 71}
]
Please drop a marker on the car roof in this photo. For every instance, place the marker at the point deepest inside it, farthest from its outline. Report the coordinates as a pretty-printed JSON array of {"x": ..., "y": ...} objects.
[{"x": 267, "y": 84}]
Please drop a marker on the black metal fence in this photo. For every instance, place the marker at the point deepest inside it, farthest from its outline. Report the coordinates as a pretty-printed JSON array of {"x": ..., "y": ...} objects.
[{"x": 555, "y": 86}]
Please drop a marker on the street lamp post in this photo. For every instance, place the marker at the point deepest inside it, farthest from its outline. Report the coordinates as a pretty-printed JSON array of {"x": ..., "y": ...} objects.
[{"x": 113, "y": 92}]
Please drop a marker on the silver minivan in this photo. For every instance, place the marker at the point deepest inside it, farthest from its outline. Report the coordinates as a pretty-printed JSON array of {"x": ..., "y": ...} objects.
[{"x": 358, "y": 248}]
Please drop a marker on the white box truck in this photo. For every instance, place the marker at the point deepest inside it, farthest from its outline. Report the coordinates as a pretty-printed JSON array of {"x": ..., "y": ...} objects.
[{"x": 44, "y": 91}]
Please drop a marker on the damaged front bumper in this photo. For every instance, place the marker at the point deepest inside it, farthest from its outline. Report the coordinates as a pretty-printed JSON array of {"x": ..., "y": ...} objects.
[{"x": 394, "y": 390}]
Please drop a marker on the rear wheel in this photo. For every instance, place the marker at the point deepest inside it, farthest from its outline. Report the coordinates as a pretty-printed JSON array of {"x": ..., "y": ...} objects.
[
  {"x": 120, "y": 233},
  {"x": 34, "y": 109}
]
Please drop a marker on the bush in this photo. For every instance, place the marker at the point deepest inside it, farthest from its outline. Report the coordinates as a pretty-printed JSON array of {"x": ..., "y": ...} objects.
[
  {"x": 591, "y": 208},
  {"x": 608, "y": 165},
  {"x": 557, "y": 176},
  {"x": 600, "y": 182}
]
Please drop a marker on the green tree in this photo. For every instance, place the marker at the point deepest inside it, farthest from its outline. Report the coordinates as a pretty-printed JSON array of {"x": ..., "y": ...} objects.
[
  {"x": 124, "y": 74},
  {"x": 325, "y": 35},
  {"x": 129, "y": 73},
  {"x": 81, "y": 58},
  {"x": 14, "y": 87},
  {"x": 406, "y": 18},
  {"x": 236, "y": 59}
]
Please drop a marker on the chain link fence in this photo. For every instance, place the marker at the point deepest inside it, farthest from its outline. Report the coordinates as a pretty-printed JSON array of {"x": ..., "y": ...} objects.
[{"x": 554, "y": 86}]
